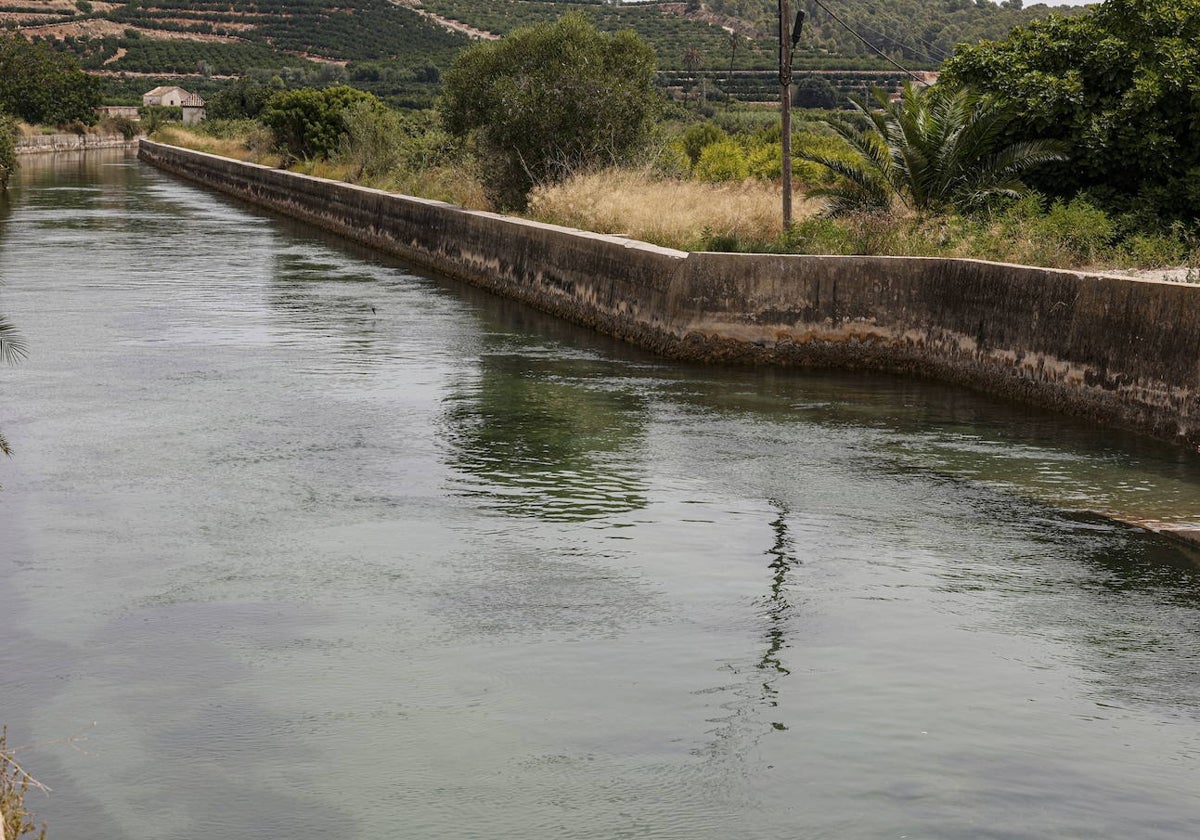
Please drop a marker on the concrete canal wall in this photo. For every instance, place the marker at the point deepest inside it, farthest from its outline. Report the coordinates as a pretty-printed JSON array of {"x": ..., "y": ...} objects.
[
  {"x": 40, "y": 143},
  {"x": 1119, "y": 351}
]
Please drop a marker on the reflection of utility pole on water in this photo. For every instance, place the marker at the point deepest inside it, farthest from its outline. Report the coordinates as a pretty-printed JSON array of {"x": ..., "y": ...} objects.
[{"x": 778, "y": 606}]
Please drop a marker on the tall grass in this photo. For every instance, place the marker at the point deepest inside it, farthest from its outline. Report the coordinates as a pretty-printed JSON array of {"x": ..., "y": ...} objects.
[{"x": 665, "y": 211}]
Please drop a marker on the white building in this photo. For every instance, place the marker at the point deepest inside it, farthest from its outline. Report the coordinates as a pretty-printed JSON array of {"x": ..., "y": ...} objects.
[
  {"x": 164, "y": 96},
  {"x": 193, "y": 109}
]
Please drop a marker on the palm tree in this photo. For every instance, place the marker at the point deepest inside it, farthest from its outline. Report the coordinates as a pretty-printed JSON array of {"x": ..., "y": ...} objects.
[
  {"x": 12, "y": 349},
  {"x": 935, "y": 149}
]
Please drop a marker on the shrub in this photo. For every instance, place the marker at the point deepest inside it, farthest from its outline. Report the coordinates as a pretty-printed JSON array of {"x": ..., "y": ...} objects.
[
  {"x": 310, "y": 123},
  {"x": 722, "y": 161},
  {"x": 697, "y": 137}
]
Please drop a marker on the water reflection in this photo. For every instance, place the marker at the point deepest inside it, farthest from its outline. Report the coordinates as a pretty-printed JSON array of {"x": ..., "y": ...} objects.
[
  {"x": 529, "y": 436},
  {"x": 777, "y": 607}
]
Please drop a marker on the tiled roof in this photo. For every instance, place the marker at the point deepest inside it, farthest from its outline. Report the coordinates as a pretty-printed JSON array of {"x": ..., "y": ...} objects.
[{"x": 192, "y": 100}]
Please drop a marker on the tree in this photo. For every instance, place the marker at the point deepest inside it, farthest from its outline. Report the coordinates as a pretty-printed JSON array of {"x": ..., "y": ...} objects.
[
  {"x": 816, "y": 92},
  {"x": 8, "y": 149},
  {"x": 245, "y": 98},
  {"x": 548, "y": 100},
  {"x": 41, "y": 86},
  {"x": 310, "y": 123},
  {"x": 1119, "y": 85},
  {"x": 935, "y": 149}
]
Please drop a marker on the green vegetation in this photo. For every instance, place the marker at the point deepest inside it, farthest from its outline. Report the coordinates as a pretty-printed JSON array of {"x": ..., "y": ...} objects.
[
  {"x": 40, "y": 86},
  {"x": 8, "y": 156},
  {"x": 549, "y": 100},
  {"x": 1121, "y": 87},
  {"x": 310, "y": 123},
  {"x": 936, "y": 149}
]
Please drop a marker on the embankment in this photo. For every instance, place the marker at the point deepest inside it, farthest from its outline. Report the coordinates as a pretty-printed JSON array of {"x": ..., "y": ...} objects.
[
  {"x": 1118, "y": 351},
  {"x": 41, "y": 143}
]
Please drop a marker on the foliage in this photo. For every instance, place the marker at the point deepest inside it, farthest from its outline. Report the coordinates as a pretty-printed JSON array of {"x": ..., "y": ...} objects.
[
  {"x": 1121, "y": 86},
  {"x": 548, "y": 100},
  {"x": 8, "y": 153},
  {"x": 936, "y": 148},
  {"x": 244, "y": 98},
  {"x": 372, "y": 140},
  {"x": 698, "y": 136},
  {"x": 815, "y": 92},
  {"x": 154, "y": 117},
  {"x": 310, "y": 123},
  {"x": 723, "y": 160},
  {"x": 12, "y": 350},
  {"x": 14, "y": 785},
  {"x": 39, "y": 85}
]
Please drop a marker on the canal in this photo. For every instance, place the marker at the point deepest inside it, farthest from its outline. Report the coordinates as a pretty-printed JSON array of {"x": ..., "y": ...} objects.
[{"x": 297, "y": 542}]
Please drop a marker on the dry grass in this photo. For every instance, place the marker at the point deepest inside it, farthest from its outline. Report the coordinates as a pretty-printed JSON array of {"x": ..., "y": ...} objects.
[
  {"x": 241, "y": 148},
  {"x": 665, "y": 211},
  {"x": 15, "y": 819}
]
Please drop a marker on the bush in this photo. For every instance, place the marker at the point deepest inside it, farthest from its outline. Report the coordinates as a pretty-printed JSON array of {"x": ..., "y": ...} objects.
[
  {"x": 310, "y": 123},
  {"x": 1085, "y": 230},
  {"x": 699, "y": 136},
  {"x": 722, "y": 161}
]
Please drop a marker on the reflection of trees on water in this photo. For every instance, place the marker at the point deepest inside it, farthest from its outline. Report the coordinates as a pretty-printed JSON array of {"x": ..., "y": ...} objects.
[{"x": 531, "y": 439}]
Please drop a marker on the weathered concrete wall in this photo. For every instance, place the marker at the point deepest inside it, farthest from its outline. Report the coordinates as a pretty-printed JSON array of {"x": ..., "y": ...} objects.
[
  {"x": 39, "y": 143},
  {"x": 1119, "y": 351}
]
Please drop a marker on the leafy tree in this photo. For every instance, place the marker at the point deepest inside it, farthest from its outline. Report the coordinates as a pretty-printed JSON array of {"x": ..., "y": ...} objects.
[
  {"x": 935, "y": 149},
  {"x": 1120, "y": 85},
  {"x": 8, "y": 149},
  {"x": 815, "y": 92},
  {"x": 243, "y": 99},
  {"x": 310, "y": 123},
  {"x": 548, "y": 100},
  {"x": 39, "y": 85}
]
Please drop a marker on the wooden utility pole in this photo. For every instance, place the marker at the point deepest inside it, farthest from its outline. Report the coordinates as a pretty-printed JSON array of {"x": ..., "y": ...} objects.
[
  {"x": 789, "y": 36},
  {"x": 785, "y": 105}
]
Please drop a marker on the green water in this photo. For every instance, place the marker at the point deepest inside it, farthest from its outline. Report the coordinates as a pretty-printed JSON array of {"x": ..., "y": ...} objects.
[{"x": 306, "y": 544}]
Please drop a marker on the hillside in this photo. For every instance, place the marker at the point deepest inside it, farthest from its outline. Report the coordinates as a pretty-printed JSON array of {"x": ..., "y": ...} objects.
[{"x": 398, "y": 47}]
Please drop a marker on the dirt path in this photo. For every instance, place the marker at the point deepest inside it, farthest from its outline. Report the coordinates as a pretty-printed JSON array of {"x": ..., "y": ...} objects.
[{"x": 447, "y": 23}]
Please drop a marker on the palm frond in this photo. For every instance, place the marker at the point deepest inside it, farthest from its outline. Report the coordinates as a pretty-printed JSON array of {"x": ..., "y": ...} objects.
[{"x": 12, "y": 346}]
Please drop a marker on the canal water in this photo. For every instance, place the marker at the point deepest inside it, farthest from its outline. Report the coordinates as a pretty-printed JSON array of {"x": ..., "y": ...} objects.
[{"x": 297, "y": 542}]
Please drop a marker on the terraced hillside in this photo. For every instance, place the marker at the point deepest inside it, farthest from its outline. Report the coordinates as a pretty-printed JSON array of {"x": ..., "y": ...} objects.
[{"x": 399, "y": 47}]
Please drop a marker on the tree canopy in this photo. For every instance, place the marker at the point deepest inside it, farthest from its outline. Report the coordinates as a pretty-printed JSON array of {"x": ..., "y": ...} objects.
[
  {"x": 39, "y": 85},
  {"x": 1120, "y": 85},
  {"x": 549, "y": 99}
]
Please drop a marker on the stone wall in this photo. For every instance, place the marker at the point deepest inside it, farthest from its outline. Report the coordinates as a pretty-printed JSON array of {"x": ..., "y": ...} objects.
[
  {"x": 1120, "y": 351},
  {"x": 37, "y": 143}
]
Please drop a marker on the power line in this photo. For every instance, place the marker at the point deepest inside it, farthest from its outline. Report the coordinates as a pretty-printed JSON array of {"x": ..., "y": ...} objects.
[
  {"x": 871, "y": 46},
  {"x": 933, "y": 51}
]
